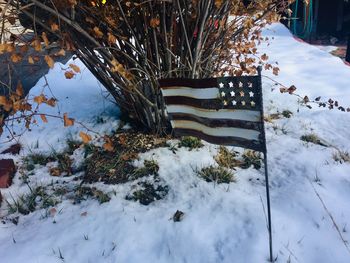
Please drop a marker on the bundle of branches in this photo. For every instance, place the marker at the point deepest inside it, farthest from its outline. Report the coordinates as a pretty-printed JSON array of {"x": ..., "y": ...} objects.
[{"x": 129, "y": 45}]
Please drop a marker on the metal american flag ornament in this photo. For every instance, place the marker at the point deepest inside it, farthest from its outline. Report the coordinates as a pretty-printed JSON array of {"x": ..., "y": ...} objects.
[{"x": 224, "y": 111}]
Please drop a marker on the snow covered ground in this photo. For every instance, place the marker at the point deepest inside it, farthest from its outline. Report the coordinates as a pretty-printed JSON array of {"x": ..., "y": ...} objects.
[{"x": 222, "y": 223}]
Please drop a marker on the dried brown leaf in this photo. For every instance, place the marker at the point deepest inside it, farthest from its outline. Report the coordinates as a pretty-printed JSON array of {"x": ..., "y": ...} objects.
[
  {"x": 67, "y": 121},
  {"x": 85, "y": 137},
  {"x": 75, "y": 68},
  {"x": 69, "y": 74},
  {"x": 49, "y": 61},
  {"x": 43, "y": 118}
]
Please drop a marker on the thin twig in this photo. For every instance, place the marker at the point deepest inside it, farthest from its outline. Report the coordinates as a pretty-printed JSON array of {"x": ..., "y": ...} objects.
[{"x": 331, "y": 217}]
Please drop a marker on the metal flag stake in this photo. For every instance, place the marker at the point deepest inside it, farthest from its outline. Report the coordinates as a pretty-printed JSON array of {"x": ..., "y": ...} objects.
[
  {"x": 269, "y": 220},
  {"x": 225, "y": 111}
]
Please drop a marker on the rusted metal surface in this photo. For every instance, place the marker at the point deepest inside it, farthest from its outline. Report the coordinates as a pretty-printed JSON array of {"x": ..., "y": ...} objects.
[{"x": 226, "y": 111}]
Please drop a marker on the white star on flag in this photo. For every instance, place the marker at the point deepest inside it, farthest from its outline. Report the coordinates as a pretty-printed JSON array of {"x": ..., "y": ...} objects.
[
  {"x": 251, "y": 94},
  {"x": 240, "y": 84},
  {"x": 221, "y": 85},
  {"x": 223, "y": 94},
  {"x": 232, "y": 93},
  {"x": 234, "y": 103},
  {"x": 231, "y": 84}
]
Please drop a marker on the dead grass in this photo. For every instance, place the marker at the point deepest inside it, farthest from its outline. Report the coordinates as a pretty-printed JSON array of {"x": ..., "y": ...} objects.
[
  {"x": 313, "y": 138},
  {"x": 251, "y": 158},
  {"x": 341, "y": 156},
  {"x": 228, "y": 159},
  {"x": 215, "y": 174},
  {"x": 232, "y": 160},
  {"x": 272, "y": 117},
  {"x": 278, "y": 115}
]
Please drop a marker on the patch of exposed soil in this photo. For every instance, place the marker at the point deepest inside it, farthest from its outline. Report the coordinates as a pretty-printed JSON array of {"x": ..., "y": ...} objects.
[{"x": 115, "y": 167}]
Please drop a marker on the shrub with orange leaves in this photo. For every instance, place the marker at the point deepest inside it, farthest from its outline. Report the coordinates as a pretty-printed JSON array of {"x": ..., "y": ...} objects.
[{"x": 129, "y": 45}]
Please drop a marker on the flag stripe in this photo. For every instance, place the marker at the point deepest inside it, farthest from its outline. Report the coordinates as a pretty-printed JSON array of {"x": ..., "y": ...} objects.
[
  {"x": 207, "y": 93},
  {"x": 244, "y": 115},
  {"x": 192, "y": 83},
  {"x": 229, "y": 141},
  {"x": 257, "y": 126},
  {"x": 208, "y": 103},
  {"x": 218, "y": 131}
]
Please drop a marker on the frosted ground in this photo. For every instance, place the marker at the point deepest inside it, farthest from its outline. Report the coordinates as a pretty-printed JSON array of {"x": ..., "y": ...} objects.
[{"x": 222, "y": 223}]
